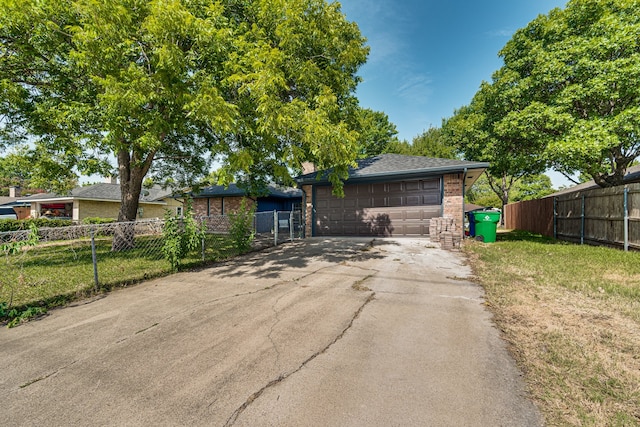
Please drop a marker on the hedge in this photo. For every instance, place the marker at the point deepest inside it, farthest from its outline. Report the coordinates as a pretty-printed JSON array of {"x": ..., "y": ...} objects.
[{"x": 23, "y": 224}]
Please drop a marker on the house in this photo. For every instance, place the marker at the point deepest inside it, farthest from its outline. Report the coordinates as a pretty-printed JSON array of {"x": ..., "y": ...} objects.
[
  {"x": 100, "y": 200},
  {"x": 388, "y": 195},
  {"x": 220, "y": 200},
  {"x": 11, "y": 208}
]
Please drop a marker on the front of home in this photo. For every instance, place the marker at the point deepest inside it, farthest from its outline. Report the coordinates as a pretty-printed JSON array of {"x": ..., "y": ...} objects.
[
  {"x": 102, "y": 201},
  {"x": 388, "y": 195},
  {"x": 222, "y": 200}
]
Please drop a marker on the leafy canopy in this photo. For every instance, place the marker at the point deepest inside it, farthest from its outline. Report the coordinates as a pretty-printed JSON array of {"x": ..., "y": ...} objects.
[
  {"x": 431, "y": 143},
  {"x": 577, "y": 72},
  {"x": 167, "y": 86}
]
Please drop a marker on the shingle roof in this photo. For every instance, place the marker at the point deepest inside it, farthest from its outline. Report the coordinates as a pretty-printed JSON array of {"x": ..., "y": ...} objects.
[
  {"x": 389, "y": 165},
  {"x": 234, "y": 190},
  {"x": 102, "y": 191}
]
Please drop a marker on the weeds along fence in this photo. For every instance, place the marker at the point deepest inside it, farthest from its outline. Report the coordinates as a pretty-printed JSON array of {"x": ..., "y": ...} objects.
[
  {"x": 70, "y": 261},
  {"x": 600, "y": 216}
]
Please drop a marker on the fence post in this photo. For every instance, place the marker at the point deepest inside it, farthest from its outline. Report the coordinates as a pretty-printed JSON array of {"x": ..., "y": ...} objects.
[
  {"x": 582, "y": 223},
  {"x": 626, "y": 218},
  {"x": 202, "y": 229},
  {"x": 555, "y": 217},
  {"x": 94, "y": 258},
  {"x": 275, "y": 228},
  {"x": 291, "y": 225}
]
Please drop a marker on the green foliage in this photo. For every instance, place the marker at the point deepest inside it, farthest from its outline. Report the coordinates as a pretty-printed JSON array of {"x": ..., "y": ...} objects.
[
  {"x": 576, "y": 75},
  {"x": 482, "y": 194},
  {"x": 25, "y": 224},
  {"x": 241, "y": 230},
  {"x": 529, "y": 187},
  {"x": 17, "y": 317},
  {"x": 15, "y": 247},
  {"x": 13, "y": 256},
  {"x": 180, "y": 236},
  {"x": 98, "y": 220},
  {"x": 376, "y": 132},
  {"x": 15, "y": 170},
  {"x": 431, "y": 143},
  {"x": 166, "y": 87}
]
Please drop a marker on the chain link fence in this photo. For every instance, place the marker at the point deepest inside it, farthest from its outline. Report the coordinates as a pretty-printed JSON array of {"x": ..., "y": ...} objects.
[{"x": 67, "y": 262}]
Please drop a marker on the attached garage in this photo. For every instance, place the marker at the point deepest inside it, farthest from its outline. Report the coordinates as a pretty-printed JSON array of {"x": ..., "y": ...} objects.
[
  {"x": 400, "y": 208},
  {"x": 388, "y": 195}
]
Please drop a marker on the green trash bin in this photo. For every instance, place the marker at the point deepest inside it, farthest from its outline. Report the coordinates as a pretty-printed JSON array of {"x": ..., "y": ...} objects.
[{"x": 486, "y": 223}]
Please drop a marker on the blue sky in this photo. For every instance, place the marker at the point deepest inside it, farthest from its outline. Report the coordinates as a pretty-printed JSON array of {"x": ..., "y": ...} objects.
[{"x": 428, "y": 57}]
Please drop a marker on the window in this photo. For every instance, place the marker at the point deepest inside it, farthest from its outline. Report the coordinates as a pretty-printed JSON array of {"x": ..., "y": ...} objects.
[
  {"x": 179, "y": 211},
  {"x": 140, "y": 212}
]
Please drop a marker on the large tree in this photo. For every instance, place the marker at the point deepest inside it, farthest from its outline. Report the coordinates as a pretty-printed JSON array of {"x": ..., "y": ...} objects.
[
  {"x": 166, "y": 86},
  {"x": 579, "y": 71},
  {"x": 478, "y": 134},
  {"x": 431, "y": 143},
  {"x": 376, "y": 132}
]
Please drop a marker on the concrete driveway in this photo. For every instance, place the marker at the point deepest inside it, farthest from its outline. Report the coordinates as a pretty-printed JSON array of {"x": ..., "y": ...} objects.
[{"x": 331, "y": 332}]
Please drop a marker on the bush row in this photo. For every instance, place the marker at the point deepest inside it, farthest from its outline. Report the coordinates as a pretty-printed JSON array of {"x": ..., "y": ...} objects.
[{"x": 23, "y": 224}]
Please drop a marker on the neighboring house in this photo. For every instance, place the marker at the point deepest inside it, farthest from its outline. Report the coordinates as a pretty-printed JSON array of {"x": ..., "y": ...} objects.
[
  {"x": 632, "y": 175},
  {"x": 100, "y": 200},
  {"x": 389, "y": 195},
  {"x": 11, "y": 208},
  {"x": 220, "y": 200}
]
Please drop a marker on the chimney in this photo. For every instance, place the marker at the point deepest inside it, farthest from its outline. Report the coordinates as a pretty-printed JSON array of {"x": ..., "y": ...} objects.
[
  {"x": 15, "y": 192},
  {"x": 111, "y": 179},
  {"x": 308, "y": 167}
]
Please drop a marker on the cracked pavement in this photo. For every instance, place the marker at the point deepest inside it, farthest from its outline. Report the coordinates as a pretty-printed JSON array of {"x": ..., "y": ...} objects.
[{"x": 321, "y": 332}]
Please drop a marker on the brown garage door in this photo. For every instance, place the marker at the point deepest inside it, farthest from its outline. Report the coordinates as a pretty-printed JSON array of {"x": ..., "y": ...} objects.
[{"x": 383, "y": 209}]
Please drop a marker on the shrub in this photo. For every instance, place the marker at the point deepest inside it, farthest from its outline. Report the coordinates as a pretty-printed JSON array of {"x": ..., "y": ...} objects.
[
  {"x": 25, "y": 224},
  {"x": 241, "y": 230},
  {"x": 98, "y": 220},
  {"x": 180, "y": 236}
]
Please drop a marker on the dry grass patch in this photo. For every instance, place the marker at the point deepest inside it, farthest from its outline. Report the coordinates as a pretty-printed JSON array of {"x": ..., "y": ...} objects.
[{"x": 572, "y": 316}]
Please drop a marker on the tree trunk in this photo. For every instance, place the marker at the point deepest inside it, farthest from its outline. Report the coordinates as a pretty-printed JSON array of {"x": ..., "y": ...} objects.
[{"x": 132, "y": 171}]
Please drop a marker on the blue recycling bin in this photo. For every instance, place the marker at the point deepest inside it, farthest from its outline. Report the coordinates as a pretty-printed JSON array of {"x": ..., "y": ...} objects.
[{"x": 472, "y": 224}]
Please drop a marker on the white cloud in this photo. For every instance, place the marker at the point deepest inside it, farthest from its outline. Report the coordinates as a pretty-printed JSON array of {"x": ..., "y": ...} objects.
[
  {"x": 500, "y": 33},
  {"x": 415, "y": 88}
]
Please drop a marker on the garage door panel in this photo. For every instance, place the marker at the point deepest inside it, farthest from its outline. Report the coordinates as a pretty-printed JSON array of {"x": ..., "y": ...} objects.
[
  {"x": 414, "y": 214},
  {"x": 401, "y": 208},
  {"x": 431, "y": 199},
  {"x": 395, "y": 187},
  {"x": 396, "y": 201},
  {"x": 414, "y": 200},
  {"x": 379, "y": 202},
  {"x": 364, "y": 203}
]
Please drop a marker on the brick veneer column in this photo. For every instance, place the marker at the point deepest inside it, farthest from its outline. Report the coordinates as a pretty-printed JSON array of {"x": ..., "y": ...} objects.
[
  {"x": 453, "y": 203},
  {"x": 308, "y": 212}
]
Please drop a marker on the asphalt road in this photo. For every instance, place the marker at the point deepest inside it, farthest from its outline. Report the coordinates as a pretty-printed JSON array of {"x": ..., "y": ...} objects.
[{"x": 324, "y": 332}]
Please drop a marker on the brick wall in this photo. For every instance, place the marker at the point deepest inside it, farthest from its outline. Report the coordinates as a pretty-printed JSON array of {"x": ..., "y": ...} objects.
[
  {"x": 93, "y": 209},
  {"x": 308, "y": 210},
  {"x": 453, "y": 202},
  {"x": 207, "y": 207},
  {"x": 232, "y": 204}
]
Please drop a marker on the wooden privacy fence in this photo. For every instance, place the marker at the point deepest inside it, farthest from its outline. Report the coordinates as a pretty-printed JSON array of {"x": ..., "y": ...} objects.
[
  {"x": 535, "y": 216},
  {"x": 601, "y": 216}
]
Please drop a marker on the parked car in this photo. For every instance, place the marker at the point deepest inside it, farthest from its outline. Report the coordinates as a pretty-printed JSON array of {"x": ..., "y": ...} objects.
[{"x": 7, "y": 213}]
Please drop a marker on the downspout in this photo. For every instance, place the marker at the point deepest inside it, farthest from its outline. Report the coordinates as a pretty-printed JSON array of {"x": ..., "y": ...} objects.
[{"x": 464, "y": 178}]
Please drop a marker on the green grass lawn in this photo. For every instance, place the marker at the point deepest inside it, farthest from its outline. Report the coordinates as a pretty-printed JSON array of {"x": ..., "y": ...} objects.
[
  {"x": 51, "y": 274},
  {"x": 572, "y": 316}
]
